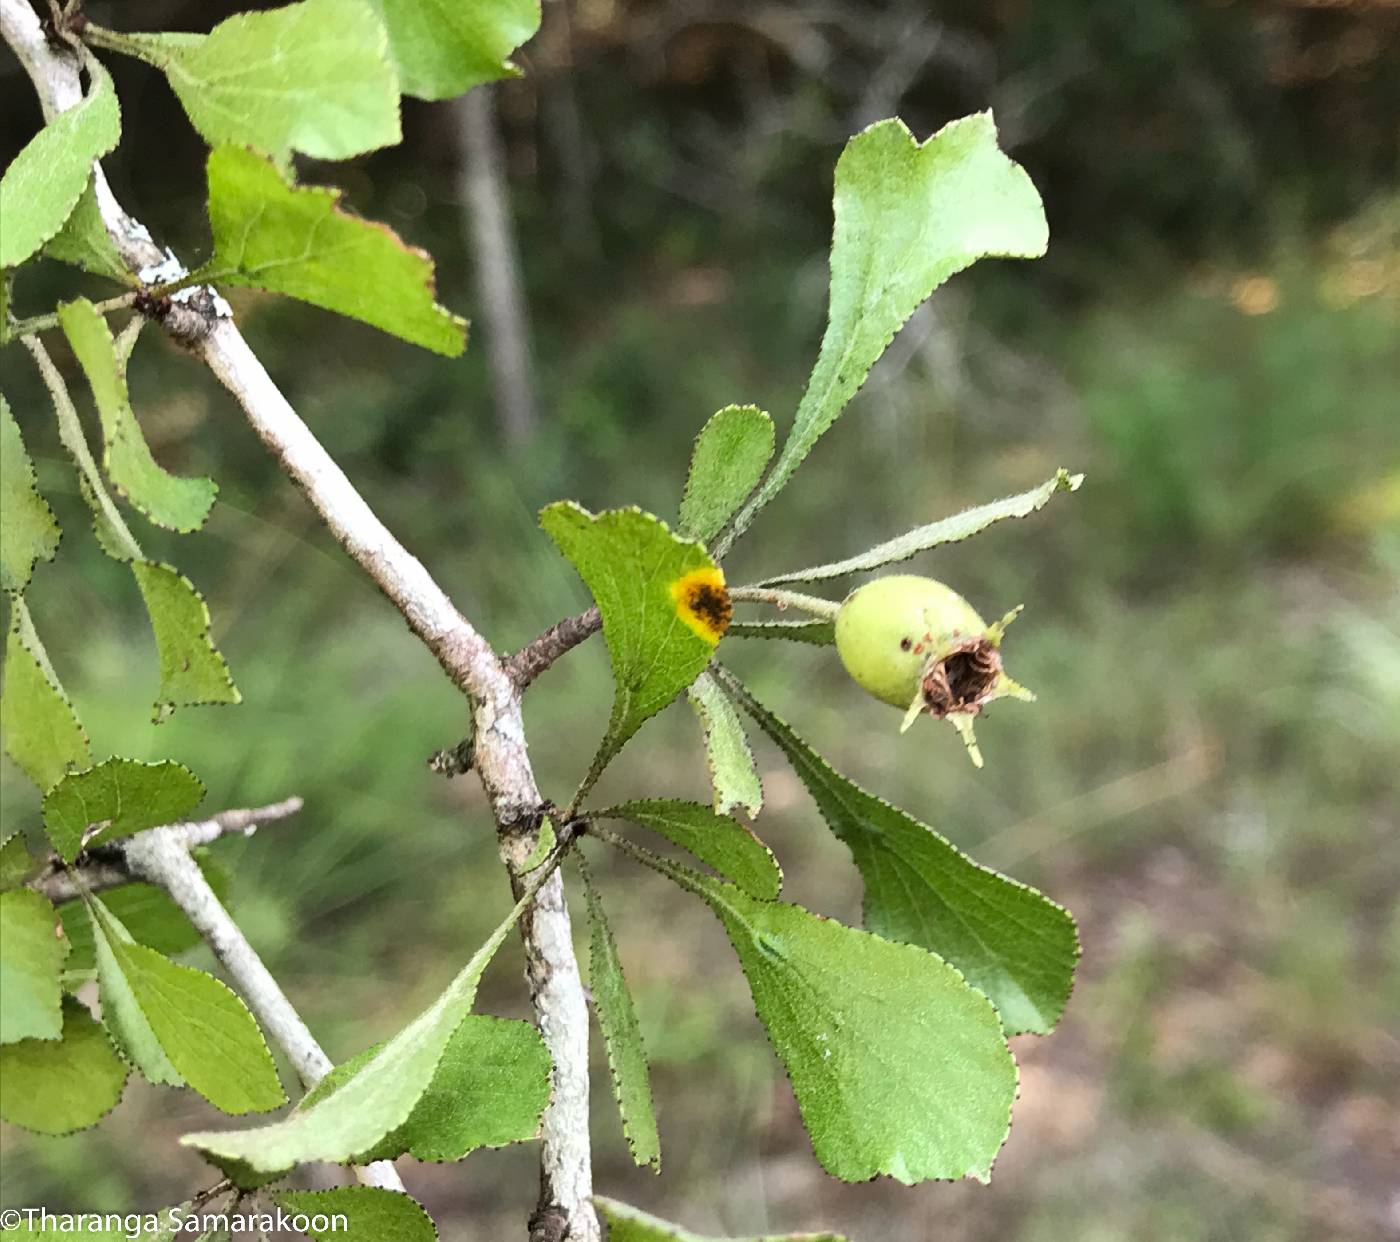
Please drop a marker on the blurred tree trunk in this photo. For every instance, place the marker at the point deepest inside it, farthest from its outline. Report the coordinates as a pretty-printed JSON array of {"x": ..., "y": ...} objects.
[
  {"x": 570, "y": 144},
  {"x": 491, "y": 240}
]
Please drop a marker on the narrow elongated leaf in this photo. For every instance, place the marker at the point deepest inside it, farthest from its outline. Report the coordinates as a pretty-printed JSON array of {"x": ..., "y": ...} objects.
[
  {"x": 663, "y": 602},
  {"x": 122, "y": 1015},
  {"x": 44, "y": 181},
  {"x": 191, "y": 669},
  {"x": 84, "y": 242},
  {"x": 1012, "y": 943},
  {"x": 544, "y": 847},
  {"x": 899, "y": 1066},
  {"x": 730, "y": 453},
  {"x": 41, "y": 730},
  {"x": 178, "y": 503},
  {"x": 204, "y": 1031},
  {"x": 908, "y": 216},
  {"x": 443, "y": 49},
  {"x": 378, "y": 1098},
  {"x": 125, "y": 794},
  {"x": 627, "y": 1056},
  {"x": 112, "y": 533},
  {"x": 490, "y": 1089},
  {"x": 948, "y": 530},
  {"x": 628, "y": 1224},
  {"x": 313, "y": 77},
  {"x": 817, "y": 633},
  {"x": 371, "y": 1214},
  {"x": 721, "y": 842},
  {"x": 733, "y": 774},
  {"x": 32, "y": 949},
  {"x": 58, "y": 1086},
  {"x": 270, "y": 234},
  {"x": 146, "y": 911},
  {"x": 29, "y": 531}
]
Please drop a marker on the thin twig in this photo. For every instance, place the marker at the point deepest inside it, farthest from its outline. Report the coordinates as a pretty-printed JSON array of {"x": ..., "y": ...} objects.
[
  {"x": 41, "y": 323},
  {"x": 561, "y": 638},
  {"x": 105, "y": 866},
  {"x": 162, "y": 856}
]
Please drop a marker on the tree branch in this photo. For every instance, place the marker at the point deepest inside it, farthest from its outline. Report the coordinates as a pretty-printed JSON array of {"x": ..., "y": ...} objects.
[
  {"x": 201, "y": 321},
  {"x": 105, "y": 866},
  {"x": 162, "y": 857},
  {"x": 561, "y": 638}
]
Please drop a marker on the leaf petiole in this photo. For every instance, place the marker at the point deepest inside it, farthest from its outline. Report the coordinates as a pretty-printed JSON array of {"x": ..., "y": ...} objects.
[{"x": 811, "y": 604}]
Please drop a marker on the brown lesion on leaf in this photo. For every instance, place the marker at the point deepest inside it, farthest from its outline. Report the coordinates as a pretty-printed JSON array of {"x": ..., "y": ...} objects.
[
  {"x": 703, "y": 603},
  {"x": 963, "y": 680}
]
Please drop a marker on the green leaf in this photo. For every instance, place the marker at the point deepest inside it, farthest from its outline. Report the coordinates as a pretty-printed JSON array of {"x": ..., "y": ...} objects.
[
  {"x": 313, "y": 77},
  {"x": 628, "y": 1224},
  {"x": 84, "y": 242},
  {"x": 443, "y": 49},
  {"x": 899, "y": 1067},
  {"x": 177, "y": 503},
  {"x": 376, "y": 1099},
  {"x": 32, "y": 949},
  {"x": 127, "y": 794},
  {"x": 17, "y": 864},
  {"x": 58, "y": 1086},
  {"x": 663, "y": 603},
  {"x": 490, "y": 1089},
  {"x": 908, "y": 216},
  {"x": 721, "y": 842},
  {"x": 950, "y": 530},
  {"x": 146, "y": 911},
  {"x": 112, "y": 534},
  {"x": 627, "y": 1056},
  {"x": 270, "y": 234},
  {"x": 41, "y": 730},
  {"x": 371, "y": 1214},
  {"x": 544, "y": 846},
  {"x": 204, "y": 1031},
  {"x": 43, "y": 182},
  {"x": 733, "y": 775},
  {"x": 1016, "y": 946},
  {"x": 818, "y": 633},
  {"x": 29, "y": 532},
  {"x": 730, "y": 453},
  {"x": 191, "y": 669},
  {"x": 122, "y": 1014}
]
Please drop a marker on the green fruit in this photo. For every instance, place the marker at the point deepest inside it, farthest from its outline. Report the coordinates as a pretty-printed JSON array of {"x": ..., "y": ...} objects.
[{"x": 915, "y": 643}]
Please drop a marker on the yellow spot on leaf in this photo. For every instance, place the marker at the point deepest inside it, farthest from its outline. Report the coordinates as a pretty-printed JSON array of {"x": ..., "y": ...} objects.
[{"x": 702, "y": 602}]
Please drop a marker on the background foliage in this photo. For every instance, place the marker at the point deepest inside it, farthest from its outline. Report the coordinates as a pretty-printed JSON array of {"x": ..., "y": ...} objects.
[{"x": 1211, "y": 623}]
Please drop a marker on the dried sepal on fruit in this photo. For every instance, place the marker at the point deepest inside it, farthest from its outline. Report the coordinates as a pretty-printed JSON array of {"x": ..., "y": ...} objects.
[{"x": 915, "y": 643}]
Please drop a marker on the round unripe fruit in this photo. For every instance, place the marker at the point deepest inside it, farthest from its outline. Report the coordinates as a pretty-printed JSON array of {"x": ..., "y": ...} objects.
[{"x": 889, "y": 630}]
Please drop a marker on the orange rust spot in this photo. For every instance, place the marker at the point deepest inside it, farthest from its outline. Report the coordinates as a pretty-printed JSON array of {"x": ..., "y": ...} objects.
[{"x": 702, "y": 602}]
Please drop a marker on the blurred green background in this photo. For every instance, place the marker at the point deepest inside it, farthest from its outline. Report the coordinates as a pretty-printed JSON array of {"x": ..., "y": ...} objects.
[{"x": 1212, "y": 623}]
